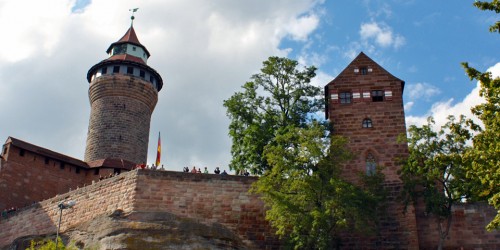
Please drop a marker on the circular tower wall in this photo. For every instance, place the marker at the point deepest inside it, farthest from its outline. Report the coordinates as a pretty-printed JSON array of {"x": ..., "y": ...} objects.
[{"x": 120, "y": 116}]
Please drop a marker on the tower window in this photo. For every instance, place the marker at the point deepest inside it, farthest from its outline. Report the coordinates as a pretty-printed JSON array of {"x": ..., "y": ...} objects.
[
  {"x": 151, "y": 79},
  {"x": 62, "y": 165},
  {"x": 134, "y": 48},
  {"x": 363, "y": 70},
  {"x": 77, "y": 170},
  {"x": 371, "y": 166},
  {"x": 116, "y": 69},
  {"x": 104, "y": 70},
  {"x": 46, "y": 160},
  {"x": 96, "y": 171},
  {"x": 377, "y": 95},
  {"x": 130, "y": 70},
  {"x": 21, "y": 152},
  {"x": 142, "y": 73},
  {"x": 345, "y": 97},
  {"x": 367, "y": 123}
]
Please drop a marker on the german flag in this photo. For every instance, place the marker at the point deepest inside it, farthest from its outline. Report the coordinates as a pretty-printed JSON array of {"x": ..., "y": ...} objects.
[{"x": 158, "y": 153}]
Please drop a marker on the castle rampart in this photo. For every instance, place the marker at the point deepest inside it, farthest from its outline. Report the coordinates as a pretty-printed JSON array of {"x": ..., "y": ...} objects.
[{"x": 207, "y": 198}]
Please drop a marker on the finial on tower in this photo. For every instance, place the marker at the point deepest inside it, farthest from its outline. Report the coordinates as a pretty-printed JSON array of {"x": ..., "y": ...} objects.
[{"x": 132, "y": 17}]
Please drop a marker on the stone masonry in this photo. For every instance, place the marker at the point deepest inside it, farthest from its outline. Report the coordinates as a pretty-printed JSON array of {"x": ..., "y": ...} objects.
[
  {"x": 121, "y": 108},
  {"x": 373, "y": 125}
]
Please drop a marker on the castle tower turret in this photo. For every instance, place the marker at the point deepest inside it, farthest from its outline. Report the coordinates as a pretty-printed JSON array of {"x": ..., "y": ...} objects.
[{"x": 123, "y": 93}]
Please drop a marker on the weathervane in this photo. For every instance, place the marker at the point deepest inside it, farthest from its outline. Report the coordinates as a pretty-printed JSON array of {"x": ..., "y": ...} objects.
[{"x": 132, "y": 17}]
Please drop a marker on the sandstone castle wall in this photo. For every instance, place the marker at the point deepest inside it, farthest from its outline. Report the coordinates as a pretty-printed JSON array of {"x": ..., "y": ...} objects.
[
  {"x": 214, "y": 199},
  {"x": 206, "y": 198}
]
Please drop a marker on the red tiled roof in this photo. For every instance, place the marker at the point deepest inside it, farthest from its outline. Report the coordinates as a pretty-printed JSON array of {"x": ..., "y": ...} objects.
[
  {"x": 106, "y": 163},
  {"x": 129, "y": 37},
  {"x": 45, "y": 152},
  {"x": 126, "y": 57},
  {"x": 112, "y": 163}
]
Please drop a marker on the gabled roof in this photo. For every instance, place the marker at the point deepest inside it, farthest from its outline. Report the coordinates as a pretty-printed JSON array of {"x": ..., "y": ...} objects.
[
  {"x": 361, "y": 60},
  {"x": 45, "y": 152},
  {"x": 131, "y": 38},
  {"x": 103, "y": 163}
]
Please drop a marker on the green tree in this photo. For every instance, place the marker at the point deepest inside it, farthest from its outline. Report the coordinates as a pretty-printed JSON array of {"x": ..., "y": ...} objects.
[
  {"x": 48, "y": 244},
  {"x": 485, "y": 157},
  {"x": 277, "y": 97},
  {"x": 493, "y": 6},
  {"x": 435, "y": 170},
  {"x": 309, "y": 203}
]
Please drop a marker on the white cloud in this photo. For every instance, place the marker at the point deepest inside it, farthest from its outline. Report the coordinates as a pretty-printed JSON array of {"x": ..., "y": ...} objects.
[
  {"x": 204, "y": 55},
  {"x": 299, "y": 29},
  {"x": 408, "y": 106},
  {"x": 421, "y": 90},
  {"x": 27, "y": 30},
  {"x": 382, "y": 35},
  {"x": 441, "y": 110}
]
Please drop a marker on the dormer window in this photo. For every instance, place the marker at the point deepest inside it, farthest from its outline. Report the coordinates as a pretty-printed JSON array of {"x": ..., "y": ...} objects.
[{"x": 119, "y": 49}]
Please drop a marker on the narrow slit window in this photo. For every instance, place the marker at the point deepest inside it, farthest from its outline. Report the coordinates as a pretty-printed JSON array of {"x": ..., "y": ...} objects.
[{"x": 371, "y": 165}]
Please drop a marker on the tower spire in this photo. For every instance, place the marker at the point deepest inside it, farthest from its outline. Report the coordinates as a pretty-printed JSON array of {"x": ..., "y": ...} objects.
[{"x": 134, "y": 10}]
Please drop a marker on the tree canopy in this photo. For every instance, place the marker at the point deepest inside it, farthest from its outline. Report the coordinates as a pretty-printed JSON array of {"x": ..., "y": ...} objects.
[
  {"x": 436, "y": 170},
  {"x": 309, "y": 203},
  {"x": 278, "y": 97},
  {"x": 485, "y": 156}
]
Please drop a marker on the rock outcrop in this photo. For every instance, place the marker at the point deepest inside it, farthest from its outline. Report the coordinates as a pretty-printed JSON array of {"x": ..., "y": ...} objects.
[{"x": 143, "y": 230}]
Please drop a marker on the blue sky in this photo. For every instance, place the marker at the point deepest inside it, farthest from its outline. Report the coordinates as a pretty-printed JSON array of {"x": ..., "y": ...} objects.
[{"x": 205, "y": 50}]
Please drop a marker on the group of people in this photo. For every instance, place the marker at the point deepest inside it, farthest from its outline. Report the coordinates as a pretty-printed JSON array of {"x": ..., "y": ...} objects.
[
  {"x": 153, "y": 167},
  {"x": 205, "y": 171},
  {"x": 192, "y": 170}
]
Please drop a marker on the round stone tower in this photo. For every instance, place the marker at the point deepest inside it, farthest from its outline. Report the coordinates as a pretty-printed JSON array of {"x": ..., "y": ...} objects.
[{"x": 123, "y": 92}]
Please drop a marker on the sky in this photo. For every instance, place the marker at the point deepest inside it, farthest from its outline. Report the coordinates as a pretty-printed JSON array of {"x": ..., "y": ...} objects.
[{"x": 206, "y": 50}]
